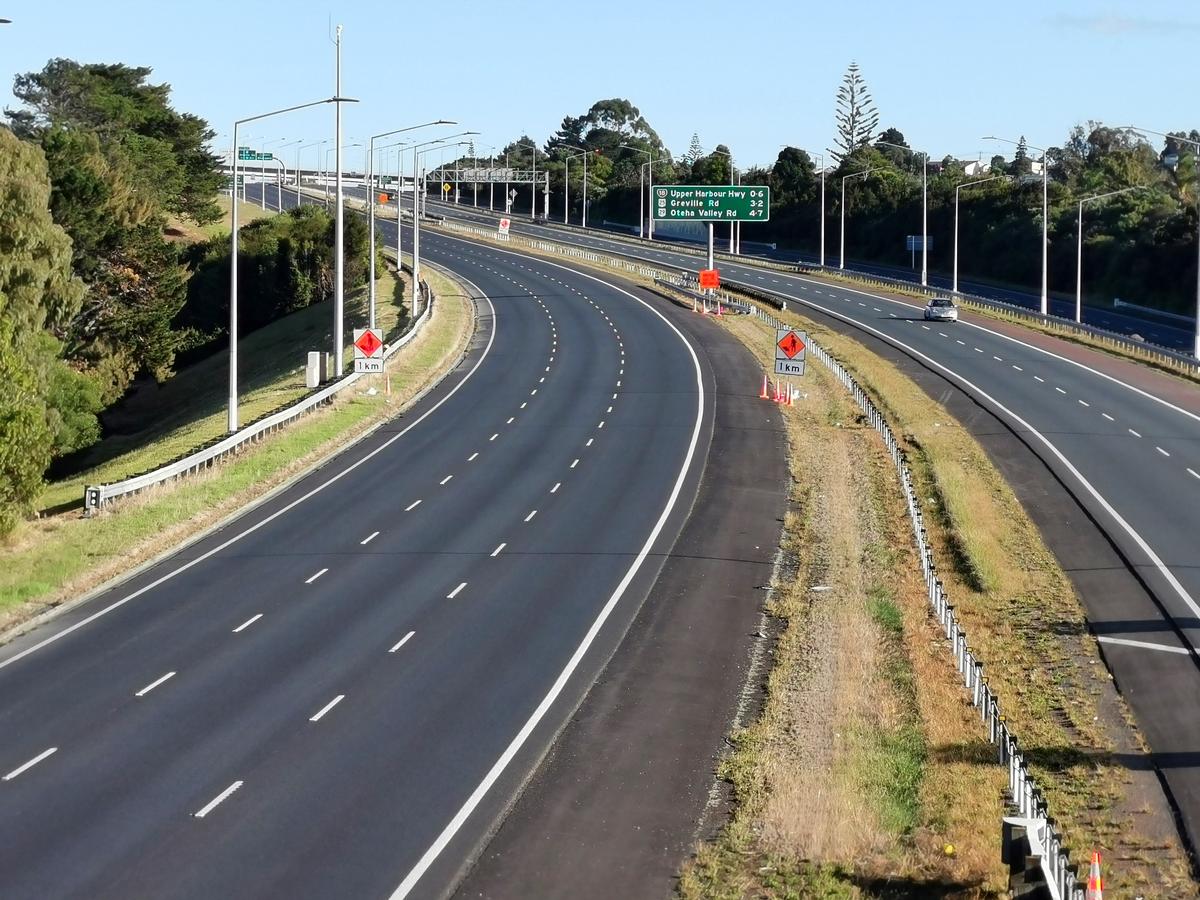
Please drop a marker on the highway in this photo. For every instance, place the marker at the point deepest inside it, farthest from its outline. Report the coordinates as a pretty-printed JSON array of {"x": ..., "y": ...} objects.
[
  {"x": 1122, "y": 439},
  {"x": 339, "y": 692},
  {"x": 1156, "y": 330}
]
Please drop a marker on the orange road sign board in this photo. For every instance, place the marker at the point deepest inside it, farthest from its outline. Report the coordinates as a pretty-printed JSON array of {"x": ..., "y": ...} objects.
[
  {"x": 791, "y": 344},
  {"x": 710, "y": 278}
]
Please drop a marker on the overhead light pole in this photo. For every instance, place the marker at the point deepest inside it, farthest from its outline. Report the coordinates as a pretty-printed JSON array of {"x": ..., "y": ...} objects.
[
  {"x": 648, "y": 231},
  {"x": 924, "y": 206},
  {"x": 567, "y": 179},
  {"x": 262, "y": 174},
  {"x": 821, "y": 157},
  {"x": 533, "y": 192},
  {"x": 845, "y": 178},
  {"x": 232, "y": 418},
  {"x": 418, "y": 180},
  {"x": 371, "y": 204},
  {"x": 1195, "y": 145},
  {"x": 954, "y": 281},
  {"x": 318, "y": 144},
  {"x": 1045, "y": 301},
  {"x": 1079, "y": 245}
]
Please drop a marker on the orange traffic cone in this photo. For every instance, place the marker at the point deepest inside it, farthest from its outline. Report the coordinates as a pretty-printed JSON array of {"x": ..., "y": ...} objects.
[
  {"x": 1095, "y": 883},
  {"x": 763, "y": 395}
]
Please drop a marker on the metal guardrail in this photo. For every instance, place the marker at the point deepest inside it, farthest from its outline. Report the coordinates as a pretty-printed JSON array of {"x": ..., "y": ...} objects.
[
  {"x": 96, "y": 496},
  {"x": 1044, "y": 837}
]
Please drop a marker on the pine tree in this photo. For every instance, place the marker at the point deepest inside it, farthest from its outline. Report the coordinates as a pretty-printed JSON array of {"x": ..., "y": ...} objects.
[
  {"x": 856, "y": 116},
  {"x": 695, "y": 150}
]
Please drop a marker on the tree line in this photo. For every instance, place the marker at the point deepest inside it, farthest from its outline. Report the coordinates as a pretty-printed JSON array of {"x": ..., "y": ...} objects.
[
  {"x": 94, "y": 168},
  {"x": 1139, "y": 246}
]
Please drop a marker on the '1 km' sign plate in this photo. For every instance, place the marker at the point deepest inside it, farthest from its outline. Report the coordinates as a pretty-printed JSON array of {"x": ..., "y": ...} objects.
[{"x": 790, "y": 349}]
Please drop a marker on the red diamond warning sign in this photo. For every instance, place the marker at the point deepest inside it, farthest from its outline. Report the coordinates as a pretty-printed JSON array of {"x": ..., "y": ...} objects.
[
  {"x": 367, "y": 347},
  {"x": 791, "y": 344},
  {"x": 368, "y": 342}
]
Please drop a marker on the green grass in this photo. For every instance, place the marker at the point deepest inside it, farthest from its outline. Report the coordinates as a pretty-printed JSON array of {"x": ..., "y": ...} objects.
[
  {"x": 191, "y": 233},
  {"x": 159, "y": 423}
]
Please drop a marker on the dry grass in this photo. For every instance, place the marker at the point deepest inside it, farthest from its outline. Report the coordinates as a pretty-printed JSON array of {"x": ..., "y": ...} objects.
[{"x": 1024, "y": 621}]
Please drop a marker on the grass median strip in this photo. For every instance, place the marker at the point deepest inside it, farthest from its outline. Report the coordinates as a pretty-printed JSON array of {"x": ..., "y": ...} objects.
[
  {"x": 900, "y": 796},
  {"x": 53, "y": 559}
]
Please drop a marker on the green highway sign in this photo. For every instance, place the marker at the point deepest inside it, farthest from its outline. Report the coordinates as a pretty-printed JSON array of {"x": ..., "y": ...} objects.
[
  {"x": 248, "y": 155},
  {"x": 711, "y": 202}
]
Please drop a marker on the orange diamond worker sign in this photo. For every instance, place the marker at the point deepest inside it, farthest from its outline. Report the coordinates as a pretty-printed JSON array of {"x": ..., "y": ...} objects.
[
  {"x": 368, "y": 342},
  {"x": 791, "y": 344}
]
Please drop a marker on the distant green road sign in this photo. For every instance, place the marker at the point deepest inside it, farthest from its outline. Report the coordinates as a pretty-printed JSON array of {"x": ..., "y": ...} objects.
[
  {"x": 248, "y": 155},
  {"x": 711, "y": 202}
]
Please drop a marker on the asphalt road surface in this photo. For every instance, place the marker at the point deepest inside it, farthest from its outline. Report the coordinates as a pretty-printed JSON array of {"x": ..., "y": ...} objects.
[
  {"x": 338, "y": 693},
  {"x": 1123, "y": 440}
]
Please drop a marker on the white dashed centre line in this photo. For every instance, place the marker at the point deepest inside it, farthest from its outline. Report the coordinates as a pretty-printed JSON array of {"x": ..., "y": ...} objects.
[
  {"x": 524, "y": 403},
  {"x": 444, "y": 480},
  {"x": 589, "y": 442},
  {"x": 29, "y": 765},
  {"x": 557, "y": 485},
  {"x": 511, "y": 419},
  {"x": 1018, "y": 368},
  {"x": 1107, "y": 416},
  {"x": 961, "y": 343},
  {"x": 218, "y": 800},
  {"x": 250, "y": 621},
  {"x": 1060, "y": 390},
  {"x": 152, "y": 685},
  {"x": 313, "y": 578},
  {"x": 1134, "y": 433},
  {"x": 1039, "y": 378},
  {"x": 412, "y": 506},
  {"x": 327, "y": 707},
  {"x": 1193, "y": 473},
  {"x": 496, "y": 552},
  {"x": 530, "y": 516},
  {"x": 494, "y": 436},
  {"x": 402, "y": 642},
  {"x": 454, "y": 593},
  {"x": 473, "y": 456},
  {"x": 1162, "y": 451},
  {"x": 1084, "y": 403},
  {"x": 997, "y": 359},
  {"x": 370, "y": 537},
  {"x": 574, "y": 464}
]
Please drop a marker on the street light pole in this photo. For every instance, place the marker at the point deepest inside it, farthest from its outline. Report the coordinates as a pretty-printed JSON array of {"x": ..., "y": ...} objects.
[
  {"x": 954, "y": 282},
  {"x": 232, "y": 418},
  {"x": 417, "y": 153},
  {"x": 371, "y": 206},
  {"x": 567, "y": 179},
  {"x": 845, "y": 178},
  {"x": 1045, "y": 304},
  {"x": 648, "y": 230},
  {"x": 1079, "y": 245},
  {"x": 924, "y": 206},
  {"x": 730, "y": 156}
]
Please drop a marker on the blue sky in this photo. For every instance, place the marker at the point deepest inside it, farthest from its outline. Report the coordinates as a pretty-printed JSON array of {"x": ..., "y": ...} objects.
[{"x": 753, "y": 75}]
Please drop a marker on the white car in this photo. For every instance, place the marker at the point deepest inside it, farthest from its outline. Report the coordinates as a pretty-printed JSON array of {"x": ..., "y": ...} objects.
[{"x": 941, "y": 309}]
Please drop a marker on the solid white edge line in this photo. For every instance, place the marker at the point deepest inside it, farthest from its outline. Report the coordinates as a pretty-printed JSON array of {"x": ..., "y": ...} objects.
[
  {"x": 327, "y": 707},
  {"x": 452, "y": 827},
  {"x": 1154, "y": 558},
  {"x": 70, "y": 629},
  {"x": 402, "y": 642},
  {"x": 29, "y": 765},
  {"x": 216, "y": 801},
  {"x": 1144, "y": 645},
  {"x": 250, "y": 621},
  {"x": 152, "y": 685}
]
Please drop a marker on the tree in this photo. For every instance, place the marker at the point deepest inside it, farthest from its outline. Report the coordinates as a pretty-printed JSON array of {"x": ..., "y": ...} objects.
[
  {"x": 793, "y": 177},
  {"x": 168, "y": 149},
  {"x": 695, "y": 150},
  {"x": 856, "y": 116},
  {"x": 37, "y": 291}
]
